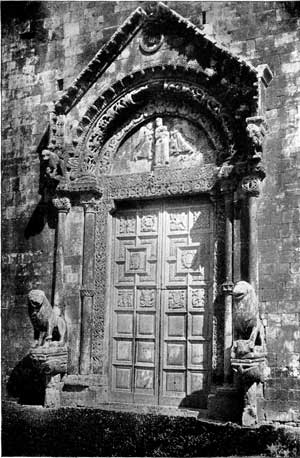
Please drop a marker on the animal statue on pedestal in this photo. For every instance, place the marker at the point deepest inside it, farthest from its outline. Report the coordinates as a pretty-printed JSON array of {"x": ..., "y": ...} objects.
[
  {"x": 45, "y": 318},
  {"x": 248, "y": 328}
]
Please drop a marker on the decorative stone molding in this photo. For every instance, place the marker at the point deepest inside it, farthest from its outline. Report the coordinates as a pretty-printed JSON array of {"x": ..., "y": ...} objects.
[
  {"x": 62, "y": 204},
  {"x": 199, "y": 107},
  {"x": 56, "y": 131},
  {"x": 160, "y": 183}
]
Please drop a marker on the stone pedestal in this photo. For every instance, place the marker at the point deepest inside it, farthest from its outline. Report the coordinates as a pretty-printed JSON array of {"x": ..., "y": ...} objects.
[
  {"x": 250, "y": 373},
  {"x": 51, "y": 361}
]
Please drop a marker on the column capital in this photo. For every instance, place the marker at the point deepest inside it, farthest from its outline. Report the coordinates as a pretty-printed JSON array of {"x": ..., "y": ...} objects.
[
  {"x": 227, "y": 287},
  {"x": 250, "y": 185},
  {"x": 90, "y": 204},
  {"x": 87, "y": 292},
  {"x": 62, "y": 204}
]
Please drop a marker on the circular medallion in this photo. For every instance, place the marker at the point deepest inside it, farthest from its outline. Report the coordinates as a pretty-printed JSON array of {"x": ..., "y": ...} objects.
[{"x": 149, "y": 44}]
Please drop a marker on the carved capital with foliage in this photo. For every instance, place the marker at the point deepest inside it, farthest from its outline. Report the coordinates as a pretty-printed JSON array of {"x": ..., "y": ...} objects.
[
  {"x": 227, "y": 287},
  {"x": 87, "y": 292},
  {"x": 62, "y": 204},
  {"x": 250, "y": 185},
  {"x": 90, "y": 205}
]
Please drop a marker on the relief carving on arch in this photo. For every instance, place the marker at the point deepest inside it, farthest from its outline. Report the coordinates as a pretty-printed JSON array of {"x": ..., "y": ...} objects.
[
  {"x": 143, "y": 107},
  {"x": 165, "y": 133},
  {"x": 168, "y": 141}
]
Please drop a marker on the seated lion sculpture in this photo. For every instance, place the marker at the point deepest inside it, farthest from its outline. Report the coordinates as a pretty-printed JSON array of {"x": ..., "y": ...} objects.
[
  {"x": 45, "y": 318},
  {"x": 248, "y": 328}
]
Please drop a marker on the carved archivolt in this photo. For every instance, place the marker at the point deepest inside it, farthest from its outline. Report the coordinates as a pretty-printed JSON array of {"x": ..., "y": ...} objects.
[{"x": 98, "y": 145}]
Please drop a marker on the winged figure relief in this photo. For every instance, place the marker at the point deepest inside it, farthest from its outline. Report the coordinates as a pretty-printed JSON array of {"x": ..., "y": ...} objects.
[
  {"x": 179, "y": 145},
  {"x": 144, "y": 143}
]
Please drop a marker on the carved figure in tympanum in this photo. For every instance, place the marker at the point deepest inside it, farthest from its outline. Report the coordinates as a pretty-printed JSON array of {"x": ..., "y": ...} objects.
[
  {"x": 45, "y": 318},
  {"x": 162, "y": 140},
  {"x": 179, "y": 145},
  {"x": 144, "y": 145}
]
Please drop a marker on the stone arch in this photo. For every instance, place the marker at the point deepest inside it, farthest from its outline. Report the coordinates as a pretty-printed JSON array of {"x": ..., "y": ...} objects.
[{"x": 127, "y": 97}]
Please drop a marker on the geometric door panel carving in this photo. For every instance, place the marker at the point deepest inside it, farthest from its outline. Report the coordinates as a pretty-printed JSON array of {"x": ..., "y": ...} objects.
[{"x": 162, "y": 264}]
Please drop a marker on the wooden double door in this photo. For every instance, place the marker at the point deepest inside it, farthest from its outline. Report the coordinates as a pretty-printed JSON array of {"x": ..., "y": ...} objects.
[{"x": 160, "y": 301}]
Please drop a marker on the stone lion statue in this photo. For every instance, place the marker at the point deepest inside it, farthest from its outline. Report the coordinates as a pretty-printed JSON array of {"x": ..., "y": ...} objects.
[
  {"x": 248, "y": 328},
  {"x": 45, "y": 318},
  {"x": 54, "y": 165}
]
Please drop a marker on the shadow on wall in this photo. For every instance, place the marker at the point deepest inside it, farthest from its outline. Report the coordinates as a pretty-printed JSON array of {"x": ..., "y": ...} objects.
[
  {"x": 26, "y": 383},
  {"x": 197, "y": 399},
  {"x": 45, "y": 212}
]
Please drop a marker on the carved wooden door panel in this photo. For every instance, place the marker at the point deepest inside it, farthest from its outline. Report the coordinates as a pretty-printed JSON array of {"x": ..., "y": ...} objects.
[{"x": 161, "y": 273}]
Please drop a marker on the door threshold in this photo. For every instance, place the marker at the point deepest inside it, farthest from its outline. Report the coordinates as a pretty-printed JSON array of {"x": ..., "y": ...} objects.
[{"x": 154, "y": 410}]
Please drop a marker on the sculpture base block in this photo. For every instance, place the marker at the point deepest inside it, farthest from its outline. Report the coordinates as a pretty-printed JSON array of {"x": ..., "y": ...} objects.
[{"x": 51, "y": 361}]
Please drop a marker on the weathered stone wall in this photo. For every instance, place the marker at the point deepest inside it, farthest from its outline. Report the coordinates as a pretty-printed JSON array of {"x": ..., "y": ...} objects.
[{"x": 43, "y": 57}]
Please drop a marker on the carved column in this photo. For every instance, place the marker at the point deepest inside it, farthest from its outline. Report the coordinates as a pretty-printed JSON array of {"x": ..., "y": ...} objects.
[
  {"x": 88, "y": 284},
  {"x": 250, "y": 186},
  {"x": 63, "y": 206},
  {"x": 227, "y": 286}
]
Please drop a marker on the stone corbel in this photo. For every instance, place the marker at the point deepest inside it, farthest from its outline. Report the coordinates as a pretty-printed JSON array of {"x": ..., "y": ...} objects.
[
  {"x": 256, "y": 130},
  {"x": 63, "y": 206}
]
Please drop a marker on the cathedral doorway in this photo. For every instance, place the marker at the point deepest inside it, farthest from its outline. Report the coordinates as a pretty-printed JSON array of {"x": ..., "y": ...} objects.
[{"x": 161, "y": 280}]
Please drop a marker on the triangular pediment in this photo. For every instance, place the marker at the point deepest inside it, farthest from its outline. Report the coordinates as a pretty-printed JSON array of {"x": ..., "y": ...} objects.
[
  {"x": 149, "y": 25},
  {"x": 157, "y": 64}
]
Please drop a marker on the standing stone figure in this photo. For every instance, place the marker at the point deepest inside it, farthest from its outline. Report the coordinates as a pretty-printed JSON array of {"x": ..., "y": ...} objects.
[
  {"x": 143, "y": 149},
  {"x": 162, "y": 139},
  {"x": 179, "y": 145}
]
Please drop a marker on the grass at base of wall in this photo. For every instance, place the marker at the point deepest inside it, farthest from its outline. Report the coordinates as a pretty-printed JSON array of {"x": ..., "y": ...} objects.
[{"x": 29, "y": 431}]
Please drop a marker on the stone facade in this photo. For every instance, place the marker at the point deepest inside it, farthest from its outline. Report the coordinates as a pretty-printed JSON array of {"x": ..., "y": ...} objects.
[{"x": 66, "y": 93}]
